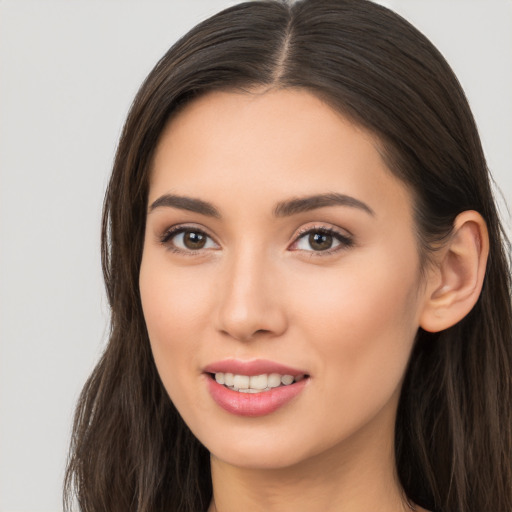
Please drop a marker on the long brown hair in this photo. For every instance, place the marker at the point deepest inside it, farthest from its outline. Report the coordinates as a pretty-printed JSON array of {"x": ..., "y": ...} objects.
[{"x": 130, "y": 449}]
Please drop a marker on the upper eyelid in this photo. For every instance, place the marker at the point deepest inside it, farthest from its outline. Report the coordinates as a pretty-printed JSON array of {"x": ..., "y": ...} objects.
[
  {"x": 166, "y": 239},
  {"x": 344, "y": 233},
  {"x": 345, "y": 239},
  {"x": 178, "y": 228},
  {"x": 170, "y": 232}
]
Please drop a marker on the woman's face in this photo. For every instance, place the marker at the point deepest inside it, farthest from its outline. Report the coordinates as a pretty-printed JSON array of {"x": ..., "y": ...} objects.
[{"x": 278, "y": 243}]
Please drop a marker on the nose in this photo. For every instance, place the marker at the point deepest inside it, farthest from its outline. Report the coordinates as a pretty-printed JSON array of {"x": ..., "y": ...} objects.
[{"x": 250, "y": 302}]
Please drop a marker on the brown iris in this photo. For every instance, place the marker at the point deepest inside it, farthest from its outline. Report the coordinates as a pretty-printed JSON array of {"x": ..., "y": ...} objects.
[
  {"x": 194, "y": 240},
  {"x": 320, "y": 241}
]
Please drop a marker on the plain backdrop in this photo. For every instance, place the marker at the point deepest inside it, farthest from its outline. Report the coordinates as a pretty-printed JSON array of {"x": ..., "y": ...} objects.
[{"x": 68, "y": 72}]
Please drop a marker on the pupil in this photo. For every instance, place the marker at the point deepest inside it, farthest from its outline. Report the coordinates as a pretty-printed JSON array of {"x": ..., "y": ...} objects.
[
  {"x": 320, "y": 241},
  {"x": 194, "y": 240}
]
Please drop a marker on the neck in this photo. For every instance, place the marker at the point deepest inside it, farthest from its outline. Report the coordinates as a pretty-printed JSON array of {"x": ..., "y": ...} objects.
[{"x": 357, "y": 475}]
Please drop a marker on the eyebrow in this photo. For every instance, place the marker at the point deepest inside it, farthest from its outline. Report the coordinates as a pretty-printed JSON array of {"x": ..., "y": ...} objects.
[
  {"x": 305, "y": 204},
  {"x": 190, "y": 204},
  {"x": 282, "y": 209}
]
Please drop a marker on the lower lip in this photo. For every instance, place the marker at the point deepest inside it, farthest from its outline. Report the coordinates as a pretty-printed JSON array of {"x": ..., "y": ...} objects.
[{"x": 253, "y": 404}]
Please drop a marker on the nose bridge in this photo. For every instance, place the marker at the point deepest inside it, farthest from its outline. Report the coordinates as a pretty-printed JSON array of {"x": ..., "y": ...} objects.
[{"x": 249, "y": 303}]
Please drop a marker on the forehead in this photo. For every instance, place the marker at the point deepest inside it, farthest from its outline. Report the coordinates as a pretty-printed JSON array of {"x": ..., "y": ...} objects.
[{"x": 264, "y": 145}]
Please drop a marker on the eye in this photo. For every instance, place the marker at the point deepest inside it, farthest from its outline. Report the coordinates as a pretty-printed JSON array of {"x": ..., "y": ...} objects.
[
  {"x": 321, "y": 240},
  {"x": 187, "y": 239}
]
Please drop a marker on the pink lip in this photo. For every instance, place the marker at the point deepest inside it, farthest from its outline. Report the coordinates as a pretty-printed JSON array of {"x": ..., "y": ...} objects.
[
  {"x": 254, "y": 367},
  {"x": 253, "y": 404}
]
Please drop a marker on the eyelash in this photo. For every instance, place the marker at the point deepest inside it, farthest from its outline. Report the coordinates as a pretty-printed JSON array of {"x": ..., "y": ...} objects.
[
  {"x": 345, "y": 241},
  {"x": 171, "y": 233}
]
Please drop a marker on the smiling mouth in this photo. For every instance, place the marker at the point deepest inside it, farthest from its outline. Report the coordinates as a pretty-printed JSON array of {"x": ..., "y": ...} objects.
[{"x": 255, "y": 383}]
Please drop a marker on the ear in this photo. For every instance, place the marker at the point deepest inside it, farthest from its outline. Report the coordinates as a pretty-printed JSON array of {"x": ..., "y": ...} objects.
[{"x": 455, "y": 282}]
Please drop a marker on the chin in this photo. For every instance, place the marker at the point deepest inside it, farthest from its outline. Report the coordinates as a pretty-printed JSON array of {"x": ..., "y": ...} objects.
[{"x": 258, "y": 458}]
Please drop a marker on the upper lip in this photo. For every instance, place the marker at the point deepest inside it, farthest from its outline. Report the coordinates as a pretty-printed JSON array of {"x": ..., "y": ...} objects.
[{"x": 253, "y": 367}]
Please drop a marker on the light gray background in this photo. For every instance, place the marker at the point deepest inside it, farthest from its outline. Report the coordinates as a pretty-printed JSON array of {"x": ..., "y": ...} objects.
[{"x": 68, "y": 72}]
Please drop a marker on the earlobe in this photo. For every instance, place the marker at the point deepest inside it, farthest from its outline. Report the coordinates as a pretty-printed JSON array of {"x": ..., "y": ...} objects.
[{"x": 453, "y": 289}]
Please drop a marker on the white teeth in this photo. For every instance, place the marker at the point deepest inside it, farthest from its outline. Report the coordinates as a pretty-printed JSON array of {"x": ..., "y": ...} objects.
[
  {"x": 258, "y": 381},
  {"x": 241, "y": 381},
  {"x": 274, "y": 380},
  {"x": 255, "y": 383},
  {"x": 286, "y": 379}
]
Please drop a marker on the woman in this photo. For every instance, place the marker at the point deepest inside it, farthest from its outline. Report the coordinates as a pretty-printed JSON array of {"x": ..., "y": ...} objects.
[{"x": 308, "y": 279}]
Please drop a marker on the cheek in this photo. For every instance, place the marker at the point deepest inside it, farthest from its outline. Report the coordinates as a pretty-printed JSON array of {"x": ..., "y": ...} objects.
[
  {"x": 175, "y": 303},
  {"x": 363, "y": 318}
]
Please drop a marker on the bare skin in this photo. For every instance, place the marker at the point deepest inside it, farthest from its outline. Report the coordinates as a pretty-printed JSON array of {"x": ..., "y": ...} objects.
[
  {"x": 258, "y": 286},
  {"x": 347, "y": 478}
]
